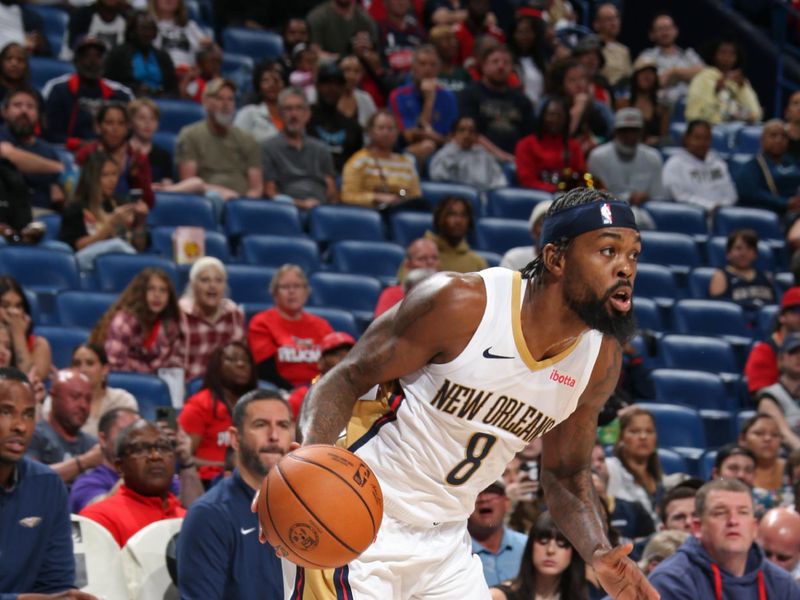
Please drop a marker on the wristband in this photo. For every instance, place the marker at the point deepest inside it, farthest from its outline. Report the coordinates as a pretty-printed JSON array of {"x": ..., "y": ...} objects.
[
  {"x": 188, "y": 466},
  {"x": 80, "y": 466}
]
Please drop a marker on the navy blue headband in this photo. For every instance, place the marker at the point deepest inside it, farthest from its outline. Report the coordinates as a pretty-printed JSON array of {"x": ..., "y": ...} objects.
[{"x": 581, "y": 218}]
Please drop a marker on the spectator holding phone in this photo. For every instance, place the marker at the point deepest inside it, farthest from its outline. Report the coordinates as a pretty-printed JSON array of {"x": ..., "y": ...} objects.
[
  {"x": 30, "y": 353},
  {"x": 96, "y": 221}
]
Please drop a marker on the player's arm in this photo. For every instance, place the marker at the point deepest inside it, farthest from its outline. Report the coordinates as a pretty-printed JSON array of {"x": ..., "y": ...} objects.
[
  {"x": 432, "y": 324},
  {"x": 570, "y": 495}
]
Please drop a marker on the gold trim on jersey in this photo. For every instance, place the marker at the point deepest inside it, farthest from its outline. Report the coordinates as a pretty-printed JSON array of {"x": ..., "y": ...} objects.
[{"x": 519, "y": 337}]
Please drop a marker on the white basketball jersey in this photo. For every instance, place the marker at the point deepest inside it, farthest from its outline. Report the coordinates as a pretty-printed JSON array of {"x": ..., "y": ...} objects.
[{"x": 461, "y": 422}]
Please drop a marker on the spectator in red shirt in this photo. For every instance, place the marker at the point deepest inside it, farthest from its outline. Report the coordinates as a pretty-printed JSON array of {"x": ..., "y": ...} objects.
[
  {"x": 333, "y": 349},
  {"x": 285, "y": 339},
  {"x": 207, "y": 415},
  {"x": 761, "y": 368},
  {"x": 146, "y": 460},
  {"x": 475, "y": 25},
  {"x": 208, "y": 318},
  {"x": 422, "y": 253},
  {"x": 544, "y": 157}
]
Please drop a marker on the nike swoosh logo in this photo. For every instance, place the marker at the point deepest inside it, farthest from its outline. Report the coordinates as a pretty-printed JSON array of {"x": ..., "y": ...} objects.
[
  {"x": 246, "y": 531},
  {"x": 488, "y": 354}
]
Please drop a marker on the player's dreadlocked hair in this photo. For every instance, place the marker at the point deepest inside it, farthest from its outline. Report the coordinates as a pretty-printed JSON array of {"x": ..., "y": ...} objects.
[{"x": 535, "y": 269}]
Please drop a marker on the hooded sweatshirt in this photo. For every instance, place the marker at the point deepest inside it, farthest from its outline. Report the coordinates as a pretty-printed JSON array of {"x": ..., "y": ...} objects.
[
  {"x": 704, "y": 183},
  {"x": 689, "y": 575}
]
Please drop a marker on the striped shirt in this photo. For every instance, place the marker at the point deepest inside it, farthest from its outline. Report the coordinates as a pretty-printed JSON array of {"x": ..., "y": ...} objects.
[{"x": 364, "y": 174}]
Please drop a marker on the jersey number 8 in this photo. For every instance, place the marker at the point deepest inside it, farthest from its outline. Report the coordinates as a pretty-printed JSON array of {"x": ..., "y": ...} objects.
[{"x": 478, "y": 448}]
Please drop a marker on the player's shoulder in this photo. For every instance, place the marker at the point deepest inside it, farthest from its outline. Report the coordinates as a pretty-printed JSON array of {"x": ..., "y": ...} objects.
[{"x": 450, "y": 289}]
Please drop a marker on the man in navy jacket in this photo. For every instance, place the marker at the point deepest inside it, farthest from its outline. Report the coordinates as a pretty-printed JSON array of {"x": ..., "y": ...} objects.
[
  {"x": 35, "y": 532},
  {"x": 219, "y": 555},
  {"x": 721, "y": 560}
]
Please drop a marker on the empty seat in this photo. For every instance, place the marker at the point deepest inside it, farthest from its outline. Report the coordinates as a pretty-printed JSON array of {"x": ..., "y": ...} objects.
[
  {"x": 699, "y": 280},
  {"x": 62, "y": 342},
  {"x": 216, "y": 244},
  {"x": 500, "y": 235},
  {"x": 764, "y": 222},
  {"x": 39, "y": 269},
  {"x": 677, "y": 427},
  {"x": 255, "y": 43},
  {"x": 150, "y": 391},
  {"x": 716, "y": 254},
  {"x": 655, "y": 281},
  {"x": 677, "y": 217},
  {"x": 82, "y": 308},
  {"x": 330, "y": 223},
  {"x": 436, "y": 191},
  {"x": 276, "y": 250},
  {"x": 407, "y": 226},
  {"x": 113, "y": 272},
  {"x": 701, "y": 353},
  {"x": 377, "y": 259},
  {"x": 340, "y": 320},
  {"x": 182, "y": 209},
  {"x": 177, "y": 114},
  {"x": 514, "y": 203},
  {"x": 749, "y": 139},
  {"x": 248, "y": 283},
  {"x": 647, "y": 314},
  {"x": 675, "y": 250},
  {"x": 710, "y": 317},
  {"x": 356, "y": 293},
  {"x": 263, "y": 217},
  {"x": 44, "y": 69}
]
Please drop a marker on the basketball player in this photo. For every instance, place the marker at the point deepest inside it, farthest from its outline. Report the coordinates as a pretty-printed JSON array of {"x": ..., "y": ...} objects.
[{"x": 485, "y": 363}]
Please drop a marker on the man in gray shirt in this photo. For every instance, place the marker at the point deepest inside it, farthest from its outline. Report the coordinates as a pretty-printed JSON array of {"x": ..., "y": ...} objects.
[
  {"x": 628, "y": 168},
  {"x": 58, "y": 440},
  {"x": 294, "y": 164}
]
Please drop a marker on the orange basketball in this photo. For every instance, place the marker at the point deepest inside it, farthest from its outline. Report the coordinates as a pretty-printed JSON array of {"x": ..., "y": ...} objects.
[{"x": 320, "y": 506}]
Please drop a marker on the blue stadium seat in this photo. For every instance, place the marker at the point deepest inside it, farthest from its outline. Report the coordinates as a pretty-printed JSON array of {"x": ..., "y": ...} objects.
[
  {"x": 377, "y": 259},
  {"x": 263, "y": 217},
  {"x": 676, "y": 131},
  {"x": 193, "y": 386},
  {"x": 41, "y": 270},
  {"x": 251, "y": 309},
  {"x": 736, "y": 163},
  {"x": 767, "y": 317},
  {"x": 34, "y": 312},
  {"x": 678, "y": 427},
  {"x": 500, "y": 235},
  {"x": 150, "y": 391},
  {"x": 173, "y": 210},
  {"x": 707, "y": 464},
  {"x": 678, "y": 251},
  {"x": 44, "y": 69},
  {"x": 53, "y": 223},
  {"x": 712, "y": 318},
  {"x": 166, "y": 140},
  {"x": 356, "y": 293},
  {"x": 492, "y": 259},
  {"x": 340, "y": 320},
  {"x": 62, "y": 342},
  {"x": 748, "y": 139},
  {"x": 216, "y": 244},
  {"x": 693, "y": 388},
  {"x": 655, "y": 281},
  {"x": 233, "y": 63},
  {"x": 276, "y": 250},
  {"x": 514, "y": 203},
  {"x": 177, "y": 114},
  {"x": 331, "y": 223},
  {"x": 255, "y": 43},
  {"x": 405, "y": 227},
  {"x": 716, "y": 254},
  {"x": 677, "y": 217},
  {"x": 249, "y": 283},
  {"x": 113, "y": 272},
  {"x": 696, "y": 352},
  {"x": 699, "y": 280},
  {"x": 647, "y": 314},
  {"x": 783, "y": 281},
  {"x": 436, "y": 191},
  {"x": 55, "y": 22},
  {"x": 82, "y": 308},
  {"x": 672, "y": 462},
  {"x": 764, "y": 222}
]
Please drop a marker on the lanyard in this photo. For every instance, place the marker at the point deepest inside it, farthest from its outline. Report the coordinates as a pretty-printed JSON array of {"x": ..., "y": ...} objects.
[{"x": 762, "y": 591}]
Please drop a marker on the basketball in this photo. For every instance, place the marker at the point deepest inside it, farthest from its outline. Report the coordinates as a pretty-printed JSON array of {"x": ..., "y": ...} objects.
[{"x": 320, "y": 506}]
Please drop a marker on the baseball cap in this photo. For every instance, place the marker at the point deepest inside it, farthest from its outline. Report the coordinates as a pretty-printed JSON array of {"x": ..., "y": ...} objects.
[
  {"x": 628, "y": 118},
  {"x": 336, "y": 340},
  {"x": 330, "y": 73},
  {"x": 790, "y": 343},
  {"x": 538, "y": 212},
  {"x": 214, "y": 86},
  {"x": 89, "y": 41},
  {"x": 791, "y": 298},
  {"x": 644, "y": 62},
  {"x": 498, "y": 487}
]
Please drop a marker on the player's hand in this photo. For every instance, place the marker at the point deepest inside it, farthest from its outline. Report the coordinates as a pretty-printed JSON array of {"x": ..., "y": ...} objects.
[{"x": 620, "y": 576}]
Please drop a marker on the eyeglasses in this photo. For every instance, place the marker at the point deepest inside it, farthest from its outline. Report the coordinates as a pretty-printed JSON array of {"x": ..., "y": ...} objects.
[
  {"x": 142, "y": 449},
  {"x": 545, "y": 538},
  {"x": 780, "y": 557}
]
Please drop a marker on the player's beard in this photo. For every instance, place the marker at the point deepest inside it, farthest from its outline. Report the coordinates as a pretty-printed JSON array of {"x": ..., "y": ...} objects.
[{"x": 597, "y": 313}]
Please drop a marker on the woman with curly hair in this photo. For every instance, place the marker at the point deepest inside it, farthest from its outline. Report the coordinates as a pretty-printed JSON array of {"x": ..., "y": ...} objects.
[
  {"x": 550, "y": 567},
  {"x": 230, "y": 374},
  {"x": 141, "y": 330}
]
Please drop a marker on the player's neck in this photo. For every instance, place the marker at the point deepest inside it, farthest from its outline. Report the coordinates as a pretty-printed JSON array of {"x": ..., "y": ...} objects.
[{"x": 556, "y": 327}]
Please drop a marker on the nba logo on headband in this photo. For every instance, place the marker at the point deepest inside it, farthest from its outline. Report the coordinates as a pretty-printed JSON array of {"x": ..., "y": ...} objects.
[{"x": 605, "y": 213}]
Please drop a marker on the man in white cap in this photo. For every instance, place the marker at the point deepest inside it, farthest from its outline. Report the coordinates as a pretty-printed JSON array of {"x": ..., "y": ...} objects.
[{"x": 517, "y": 258}]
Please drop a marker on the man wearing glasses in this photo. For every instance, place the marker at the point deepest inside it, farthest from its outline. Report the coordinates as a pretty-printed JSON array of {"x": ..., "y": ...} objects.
[{"x": 146, "y": 461}]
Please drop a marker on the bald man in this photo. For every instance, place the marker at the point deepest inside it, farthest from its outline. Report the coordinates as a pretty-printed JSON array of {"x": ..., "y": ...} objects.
[
  {"x": 58, "y": 440},
  {"x": 422, "y": 253},
  {"x": 779, "y": 536}
]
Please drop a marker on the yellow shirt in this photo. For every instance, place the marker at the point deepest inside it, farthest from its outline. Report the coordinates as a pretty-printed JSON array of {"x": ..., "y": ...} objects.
[{"x": 364, "y": 174}]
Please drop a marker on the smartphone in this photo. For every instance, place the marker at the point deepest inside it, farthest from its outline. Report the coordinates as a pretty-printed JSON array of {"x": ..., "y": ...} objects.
[
  {"x": 168, "y": 415},
  {"x": 134, "y": 195}
]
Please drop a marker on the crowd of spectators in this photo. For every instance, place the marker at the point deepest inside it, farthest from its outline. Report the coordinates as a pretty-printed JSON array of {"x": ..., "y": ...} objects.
[{"x": 363, "y": 104}]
